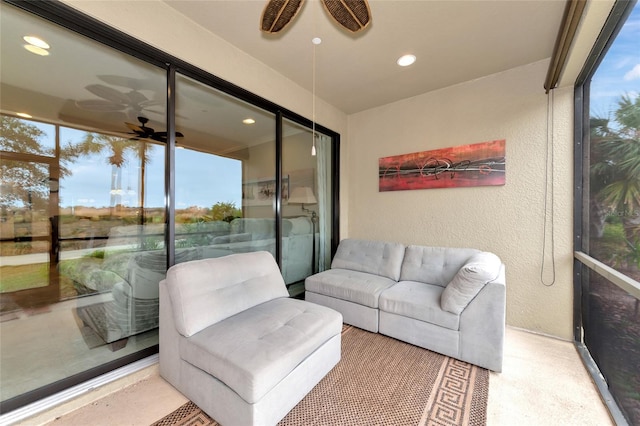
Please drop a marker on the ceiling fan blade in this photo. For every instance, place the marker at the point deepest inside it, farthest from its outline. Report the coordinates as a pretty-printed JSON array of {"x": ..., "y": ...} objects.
[
  {"x": 128, "y": 82},
  {"x": 164, "y": 134},
  {"x": 108, "y": 93},
  {"x": 135, "y": 127},
  {"x": 137, "y": 98},
  {"x": 354, "y": 15},
  {"x": 278, "y": 13},
  {"x": 99, "y": 105}
]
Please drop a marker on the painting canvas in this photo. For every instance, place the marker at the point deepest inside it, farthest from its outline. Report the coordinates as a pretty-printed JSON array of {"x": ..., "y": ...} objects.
[{"x": 480, "y": 164}]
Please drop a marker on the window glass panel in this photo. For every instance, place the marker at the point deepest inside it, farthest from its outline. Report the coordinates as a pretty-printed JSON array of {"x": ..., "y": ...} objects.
[
  {"x": 24, "y": 223},
  {"x": 27, "y": 136},
  {"x": 306, "y": 224},
  {"x": 85, "y": 232},
  {"x": 614, "y": 168},
  {"x": 612, "y": 200},
  {"x": 225, "y": 171}
]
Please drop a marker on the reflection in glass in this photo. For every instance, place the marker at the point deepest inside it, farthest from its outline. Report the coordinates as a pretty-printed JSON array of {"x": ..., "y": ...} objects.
[
  {"x": 306, "y": 241},
  {"x": 82, "y": 216},
  {"x": 218, "y": 157},
  {"x": 24, "y": 225}
]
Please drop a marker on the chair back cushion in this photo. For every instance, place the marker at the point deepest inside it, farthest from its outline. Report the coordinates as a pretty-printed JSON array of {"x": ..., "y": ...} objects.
[
  {"x": 374, "y": 257},
  {"x": 204, "y": 292}
]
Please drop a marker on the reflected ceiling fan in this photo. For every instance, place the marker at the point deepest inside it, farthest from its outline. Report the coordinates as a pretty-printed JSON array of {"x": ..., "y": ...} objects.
[
  {"x": 354, "y": 15},
  {"x": 144, "y": 132},
  {"x": 115, "y": 100}
]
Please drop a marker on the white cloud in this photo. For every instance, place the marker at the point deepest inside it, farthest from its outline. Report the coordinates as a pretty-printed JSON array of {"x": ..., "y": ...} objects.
[{"x": 634, "y": 74}]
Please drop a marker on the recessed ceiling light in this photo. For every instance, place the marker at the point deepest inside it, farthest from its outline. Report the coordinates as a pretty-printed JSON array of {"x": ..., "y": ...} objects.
[
  {"x": 316, "y": 40},
  {"x": 37, "y": 50},
  {"x": 36, "y": 41},
  {"x": 406, "y": 60},
  {"x": 249, "y": 121},
  {"x": 24, "y": 115}
]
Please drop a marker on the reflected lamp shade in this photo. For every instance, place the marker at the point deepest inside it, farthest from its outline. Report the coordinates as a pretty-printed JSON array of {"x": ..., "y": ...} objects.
[{"x": 302, "y": 195}]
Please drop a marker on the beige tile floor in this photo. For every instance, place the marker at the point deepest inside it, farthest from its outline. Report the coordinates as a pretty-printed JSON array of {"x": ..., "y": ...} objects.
[{"x": 543, "y": 383}]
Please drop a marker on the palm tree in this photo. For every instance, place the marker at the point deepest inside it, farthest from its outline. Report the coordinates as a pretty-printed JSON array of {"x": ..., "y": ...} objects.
[
  {"x": 116, "y": 149},
  {"x": 615, "y": 170}
]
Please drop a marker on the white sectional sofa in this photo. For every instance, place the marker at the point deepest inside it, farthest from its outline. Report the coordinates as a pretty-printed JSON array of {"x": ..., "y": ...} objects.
[{"x": 449, "y": 300}]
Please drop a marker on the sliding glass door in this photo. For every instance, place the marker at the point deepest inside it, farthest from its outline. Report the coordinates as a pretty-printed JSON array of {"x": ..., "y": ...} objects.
[
  {"x": 306, "y": 237},
  {"x": 96, "y": 202},
  {"x": 81, "y": 205}
]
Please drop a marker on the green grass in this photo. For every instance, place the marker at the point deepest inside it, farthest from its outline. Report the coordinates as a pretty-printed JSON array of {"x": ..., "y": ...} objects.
[{"x": 22, "y": 277}]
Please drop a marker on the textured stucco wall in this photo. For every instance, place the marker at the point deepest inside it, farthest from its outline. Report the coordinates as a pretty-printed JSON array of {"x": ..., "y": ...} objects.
[{"x": 507, "y": 220}]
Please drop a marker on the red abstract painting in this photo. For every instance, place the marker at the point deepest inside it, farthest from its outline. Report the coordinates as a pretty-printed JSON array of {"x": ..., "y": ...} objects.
[{"x": 480, "y": 164}]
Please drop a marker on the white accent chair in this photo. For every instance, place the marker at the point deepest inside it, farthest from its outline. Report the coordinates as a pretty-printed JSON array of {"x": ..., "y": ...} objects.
[{"x": 234, "y": 343}]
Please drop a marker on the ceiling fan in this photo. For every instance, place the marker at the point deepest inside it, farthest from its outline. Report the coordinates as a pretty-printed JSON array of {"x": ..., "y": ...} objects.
[
  {"x": 115, "y": 100},
  {"x": 144, "y": 132},
  {"x": 354, "y": 15}
]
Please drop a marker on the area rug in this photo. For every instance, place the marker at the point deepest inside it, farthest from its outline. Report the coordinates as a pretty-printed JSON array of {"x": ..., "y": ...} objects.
[{"x": 381, "y": 381}]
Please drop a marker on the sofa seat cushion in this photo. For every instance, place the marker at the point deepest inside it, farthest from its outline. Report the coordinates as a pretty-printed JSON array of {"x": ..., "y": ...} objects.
[
  {"x": 252, "y": 351},
  {"x": 419, "y": 301},
  {"x": 353, "y": 286}
]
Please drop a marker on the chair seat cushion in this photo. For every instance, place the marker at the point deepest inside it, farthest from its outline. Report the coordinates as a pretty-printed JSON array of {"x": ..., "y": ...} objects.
[
  {"x": 419, "y": 301},
  {"x": 252, "y": 351},
  {"x": 353, "y": 286}
]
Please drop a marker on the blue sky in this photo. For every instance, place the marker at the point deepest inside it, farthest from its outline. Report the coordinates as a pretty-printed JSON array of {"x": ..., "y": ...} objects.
[
  {"x": 619, "y": 72},
  {"x": 201, "y": 179}
]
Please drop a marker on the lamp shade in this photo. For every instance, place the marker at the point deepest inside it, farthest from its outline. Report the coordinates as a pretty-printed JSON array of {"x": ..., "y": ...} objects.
[{"x": 302, "y": 195}]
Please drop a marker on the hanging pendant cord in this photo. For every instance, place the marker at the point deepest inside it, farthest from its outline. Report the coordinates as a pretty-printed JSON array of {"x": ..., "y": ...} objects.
[
  {"x": 313, "y": 100},
  {"x": 548, "y": 176}
]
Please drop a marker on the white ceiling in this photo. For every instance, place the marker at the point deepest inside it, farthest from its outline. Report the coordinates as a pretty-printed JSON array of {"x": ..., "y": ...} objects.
[{"x": 455, "y": 41}]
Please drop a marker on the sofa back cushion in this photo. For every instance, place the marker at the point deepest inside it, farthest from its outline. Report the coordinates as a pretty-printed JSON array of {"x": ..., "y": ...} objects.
[
  {"x": 259, "y": 228},
  {"x": 296, "y": 226},
  {"x": 433, "y": 265},
  {"x": 204, "y": 292},
  {"x": 374, "y": 257}
]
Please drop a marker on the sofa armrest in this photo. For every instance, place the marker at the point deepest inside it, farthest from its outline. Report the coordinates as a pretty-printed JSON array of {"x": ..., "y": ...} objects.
[
  {"x": 478, "y": 270},
  {"x": 482, "y": 325}
]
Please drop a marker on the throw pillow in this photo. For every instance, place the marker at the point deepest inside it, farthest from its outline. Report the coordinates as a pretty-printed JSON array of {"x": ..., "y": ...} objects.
[{"x": 480, "y": 269}]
